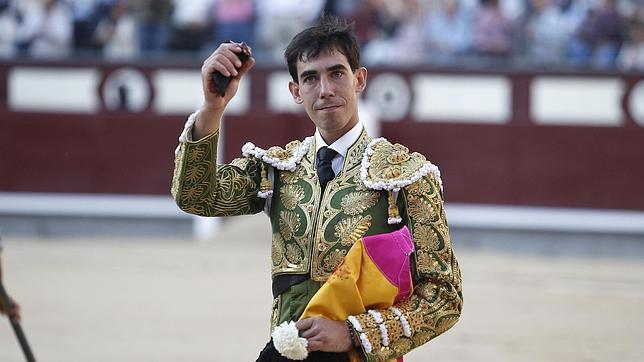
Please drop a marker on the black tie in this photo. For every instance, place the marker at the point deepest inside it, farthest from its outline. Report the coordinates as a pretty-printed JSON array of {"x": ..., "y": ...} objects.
[{"x": 325, "y": 172}]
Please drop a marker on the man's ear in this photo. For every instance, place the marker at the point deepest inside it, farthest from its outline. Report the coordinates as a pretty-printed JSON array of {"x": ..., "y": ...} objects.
[
  {"x": 294, "y": 88},
  {"x": 361, "y": 79}
]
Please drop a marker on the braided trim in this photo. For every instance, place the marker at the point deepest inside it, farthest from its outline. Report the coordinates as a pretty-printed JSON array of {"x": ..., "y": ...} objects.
[
  {"x": 249, "y": 149},
  {"x": 356, "y": 324},
  {"x": 376, "y": 315},
  {"x": 403, "y": 321},
  {"x": 384, "y": 335},
  {"x": 394, "y": 185},
  {"x": 365, "y": 343}
]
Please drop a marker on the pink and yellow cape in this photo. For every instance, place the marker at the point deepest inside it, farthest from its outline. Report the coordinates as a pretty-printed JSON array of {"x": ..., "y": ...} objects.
[{"x": 374, "y": 274}]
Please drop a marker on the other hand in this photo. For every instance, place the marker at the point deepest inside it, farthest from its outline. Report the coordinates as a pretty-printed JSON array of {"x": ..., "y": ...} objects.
[
  {"x": 325, "y": 335},
  {"x": 14, "y": 311}
]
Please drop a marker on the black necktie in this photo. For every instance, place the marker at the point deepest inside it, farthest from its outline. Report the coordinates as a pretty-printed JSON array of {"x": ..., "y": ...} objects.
[{"x": 325, "y": 172}]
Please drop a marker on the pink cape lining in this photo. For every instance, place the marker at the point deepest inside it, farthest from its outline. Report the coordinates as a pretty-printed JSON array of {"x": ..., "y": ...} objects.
[{"x": 390, "y": 253}]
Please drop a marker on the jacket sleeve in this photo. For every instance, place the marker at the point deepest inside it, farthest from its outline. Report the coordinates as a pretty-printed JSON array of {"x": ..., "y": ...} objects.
[
  {"x": 201, "y": 187},
  {"x": 437, "y": 300}
]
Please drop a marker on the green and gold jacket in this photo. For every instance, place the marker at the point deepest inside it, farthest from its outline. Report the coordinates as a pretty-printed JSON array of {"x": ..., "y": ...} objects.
[{"x": 380, "y": 188}]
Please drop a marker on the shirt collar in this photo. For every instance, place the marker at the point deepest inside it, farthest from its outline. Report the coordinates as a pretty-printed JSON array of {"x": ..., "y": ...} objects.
[{"x": 341, "y": 146}]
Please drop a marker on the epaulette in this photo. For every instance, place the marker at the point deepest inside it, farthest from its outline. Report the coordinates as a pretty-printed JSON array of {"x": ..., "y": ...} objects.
[
  {"x": 390, "y": 167},
  {"x": 284, "y": 159}
]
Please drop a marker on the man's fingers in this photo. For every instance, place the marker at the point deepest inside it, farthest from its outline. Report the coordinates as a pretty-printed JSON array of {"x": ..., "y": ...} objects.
[
  {"x": 310, "y": 332},
  {"x": 304, "y": 324},
  {"x": 314, "y": 345},
  {"x": 223, "y": 60},
  {"x": 224, "y": 65},
  {"x": 246, "y": 66}
]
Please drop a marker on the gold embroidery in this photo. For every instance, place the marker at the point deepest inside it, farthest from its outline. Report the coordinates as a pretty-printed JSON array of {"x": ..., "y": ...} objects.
[
  {"x": 289, "y": 223},
  {"x": 420, "y": 188},
  {"x": 288, "y": 177},
  {"x": 349, "y": 230},
  {"x": 293, "y": 254},
  {"x": 275, "y": 312},
  {"x": 446, "y": 323},
  {"x": 278, "y": 152},
  {"x": 332, "y": 260},
  {"x": 424, "y": 232},
  {"x": 358, "y": 202},
  {"x": 395, "y": 329},
  {"x": 422, "y": 337},
  {"x": 293, "y": 146},
  {"x": 420, "y": 210},
  {"x": 195, "y": 174},
  {"x": 373, "y": 334},
  {"x": 239, "y": 162},
  {"x": 401, "y": 346},
  {"x": 277, "y": 249},
  {"x": 291, "y": 195},
  {"x": 203, "y": 188},
  {"x": 354, "y": 154},
  {"x": 393, "y": 162}
]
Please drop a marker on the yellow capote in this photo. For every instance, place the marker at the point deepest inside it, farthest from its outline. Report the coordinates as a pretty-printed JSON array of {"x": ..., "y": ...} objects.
[{"x": 356, "y": 286}]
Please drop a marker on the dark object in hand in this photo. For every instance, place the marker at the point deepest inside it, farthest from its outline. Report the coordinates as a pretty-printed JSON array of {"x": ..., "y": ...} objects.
[{"x": 221, "y": 82}]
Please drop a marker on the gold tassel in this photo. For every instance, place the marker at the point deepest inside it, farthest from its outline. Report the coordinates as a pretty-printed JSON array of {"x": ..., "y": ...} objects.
[
  {"x": 394, "y": 213},
  {"x": 265, "y": 185}
]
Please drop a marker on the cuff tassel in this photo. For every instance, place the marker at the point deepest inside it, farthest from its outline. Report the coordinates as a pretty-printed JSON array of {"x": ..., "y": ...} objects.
[
  {"x": 265, "y": 189},
  {"x": 394, "y": 214}
]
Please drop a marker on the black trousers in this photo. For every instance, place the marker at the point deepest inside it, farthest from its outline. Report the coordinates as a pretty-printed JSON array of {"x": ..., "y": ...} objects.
[{"x": 270, "y": 354}]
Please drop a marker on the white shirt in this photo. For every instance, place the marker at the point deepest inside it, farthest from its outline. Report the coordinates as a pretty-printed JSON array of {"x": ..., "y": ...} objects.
[{"x": 341, "y": 145}]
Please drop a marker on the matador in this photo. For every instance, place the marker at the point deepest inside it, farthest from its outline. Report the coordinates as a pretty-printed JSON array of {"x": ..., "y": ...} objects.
[{"x": 375, "y": 187}]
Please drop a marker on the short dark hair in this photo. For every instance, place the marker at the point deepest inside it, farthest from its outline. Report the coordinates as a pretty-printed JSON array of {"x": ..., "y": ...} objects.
[{"x": 330, "y": 34}]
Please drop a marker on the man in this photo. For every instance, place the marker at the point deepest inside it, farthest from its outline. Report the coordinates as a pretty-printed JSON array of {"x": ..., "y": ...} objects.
[{"x": 324, "y": 193}]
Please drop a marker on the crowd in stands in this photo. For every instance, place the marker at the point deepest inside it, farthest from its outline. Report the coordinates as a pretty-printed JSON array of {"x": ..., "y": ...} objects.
[{"x": 577, "y": 34}]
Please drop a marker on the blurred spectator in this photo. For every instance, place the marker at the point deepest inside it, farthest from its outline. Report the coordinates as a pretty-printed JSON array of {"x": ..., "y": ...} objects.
[
  {"x": 153, "y": 17},
  {"x": 542, "y": 33},
  {"x": 513, "y": 10},
  {"x": 577, "y": 33},
  {"x": 8, "y": 28},
  {"x": 278, "y": 21},
  {"x": 408, "y": 34},
  {"x": 190, "y": 24},
  {"x": 395, "y": 20},
  {"x": 492, "y": 33},
  {"x": 365, "y": 21},
  {"x": 599, "y": 38},
  {"x": 85, "y": 15},
  {"x": 550, "y": 28},
  {"x": 449, "y": 31},
  {"x": 117, "y": 34},
  {"x": 46, "y": 30},
  {"x": 234, "y": 20},
  {"x": 631, "y": 56}
]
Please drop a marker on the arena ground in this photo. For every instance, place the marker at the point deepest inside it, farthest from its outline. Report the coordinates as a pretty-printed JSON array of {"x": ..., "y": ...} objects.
[{"x": 125, "y": 299}]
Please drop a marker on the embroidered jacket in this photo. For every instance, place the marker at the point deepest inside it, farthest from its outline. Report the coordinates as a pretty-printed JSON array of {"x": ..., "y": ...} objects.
[{"x": 380, "y": 186}]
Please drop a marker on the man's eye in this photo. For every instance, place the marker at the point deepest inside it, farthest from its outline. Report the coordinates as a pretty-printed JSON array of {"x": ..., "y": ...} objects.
[
  {"x": 337, "y": 74},
  {"x": 308, "y": 80}
]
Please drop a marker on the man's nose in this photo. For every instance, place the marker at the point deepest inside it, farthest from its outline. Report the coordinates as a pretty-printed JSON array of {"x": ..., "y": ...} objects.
[{"x": 326, "y": 88}]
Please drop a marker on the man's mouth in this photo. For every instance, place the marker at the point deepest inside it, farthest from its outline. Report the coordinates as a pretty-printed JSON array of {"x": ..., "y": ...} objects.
[{"x": 328, "y": 107}]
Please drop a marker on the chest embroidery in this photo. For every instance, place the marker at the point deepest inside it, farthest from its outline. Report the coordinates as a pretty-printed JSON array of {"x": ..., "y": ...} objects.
[
  {"x": 358, "y": 202},
  {"x": 291, "y": 195},
  {"x": 289, "y": 224},
  {"x": 350, "y": 229}
]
